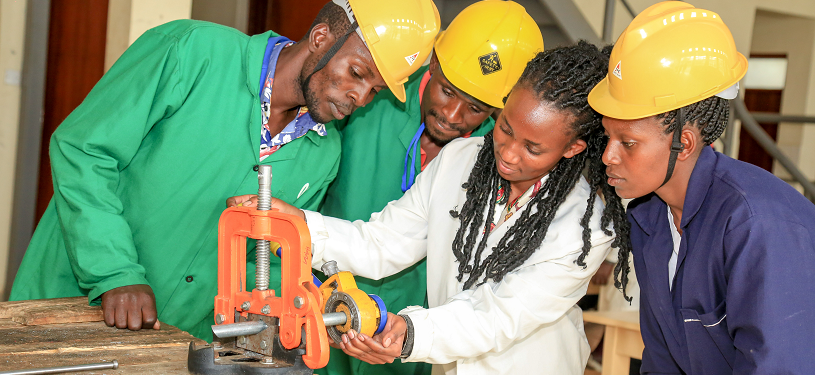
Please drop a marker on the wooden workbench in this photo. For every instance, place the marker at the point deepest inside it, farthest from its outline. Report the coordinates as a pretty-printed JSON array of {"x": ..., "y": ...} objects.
[
  {"x": 622, "y": 340},
  {"x": 66, "y": 331}
]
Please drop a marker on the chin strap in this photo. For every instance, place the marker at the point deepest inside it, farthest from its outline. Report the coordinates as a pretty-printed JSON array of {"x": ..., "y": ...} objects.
[
  {"x": 330, "y": 53},
  {"x": 676, "y": 145}
]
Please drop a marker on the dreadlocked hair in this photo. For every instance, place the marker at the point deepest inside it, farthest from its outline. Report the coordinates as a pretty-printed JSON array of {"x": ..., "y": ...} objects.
[
  {"x": 562, "y": 77},
  {"x": 710, "y": 116}
]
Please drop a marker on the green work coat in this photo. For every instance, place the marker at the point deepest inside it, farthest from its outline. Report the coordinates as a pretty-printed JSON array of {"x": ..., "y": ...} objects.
[
  {"x": 374, "y": 142},
  {"x": 143, "y": 167}
]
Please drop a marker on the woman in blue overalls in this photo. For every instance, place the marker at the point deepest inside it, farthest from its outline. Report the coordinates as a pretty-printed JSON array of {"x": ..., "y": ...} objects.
[{"x": 723, "y": 250}]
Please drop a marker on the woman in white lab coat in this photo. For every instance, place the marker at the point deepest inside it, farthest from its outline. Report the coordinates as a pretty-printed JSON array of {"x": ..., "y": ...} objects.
[{"x": 511, "y": 230}]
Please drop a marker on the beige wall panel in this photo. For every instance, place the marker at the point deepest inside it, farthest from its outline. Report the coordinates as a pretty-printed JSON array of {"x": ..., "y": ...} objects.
[
  {"x": 12, "y": 32},
  {"x": 118, "y": 33},
  {"x": 233, "y": 13},
  {"x": 147, "y": 14},
  {"x": 128, "y": 19},
  {"x": 771, "y": 35},
  {"x": 593, "y": 10}
]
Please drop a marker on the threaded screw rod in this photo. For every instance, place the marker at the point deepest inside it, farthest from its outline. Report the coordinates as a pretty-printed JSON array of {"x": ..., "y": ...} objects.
[{"x": 263, "y": 248}]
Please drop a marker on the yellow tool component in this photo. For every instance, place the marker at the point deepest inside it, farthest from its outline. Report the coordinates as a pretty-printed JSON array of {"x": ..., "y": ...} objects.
[
  {"x": 486, "y": 48},
  {"x": 340, "y": 281},
  {"x": 399, "y": 34},
  {"x": 340, "y": 294},
  {"x": 670, "y": 56}
]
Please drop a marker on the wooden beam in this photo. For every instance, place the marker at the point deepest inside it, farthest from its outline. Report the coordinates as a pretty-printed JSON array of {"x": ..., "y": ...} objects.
[{"x": 51, "y": 311}]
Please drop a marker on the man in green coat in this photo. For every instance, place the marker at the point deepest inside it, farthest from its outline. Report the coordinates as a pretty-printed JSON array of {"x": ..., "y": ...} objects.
[
  {"x": 142, "y": 168},
  {"x": 385, "y": 145}
]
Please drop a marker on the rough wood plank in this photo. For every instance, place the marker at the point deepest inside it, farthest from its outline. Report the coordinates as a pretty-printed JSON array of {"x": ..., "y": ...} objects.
[
  {"x": 51, "y": 311},
  {"x": 8, "y": 323},
  {"x": 58, "y": 338},
  {"x": 7, "y": 309},
  {"x": 132, "y": 361},
  {"x": 146, "y": 351},
  {"x": 66, "y": 314},
  {"x": 48, "y": 344}
]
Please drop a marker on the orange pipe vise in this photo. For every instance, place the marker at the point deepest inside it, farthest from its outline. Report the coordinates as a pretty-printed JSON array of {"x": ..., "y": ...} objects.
[
  {"x": 298, "y": 306},
  {"x": 260, "y": 332}
]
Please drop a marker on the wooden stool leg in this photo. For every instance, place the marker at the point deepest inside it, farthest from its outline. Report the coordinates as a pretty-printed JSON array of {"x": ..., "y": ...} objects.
[{"x": 614, "y": 362}]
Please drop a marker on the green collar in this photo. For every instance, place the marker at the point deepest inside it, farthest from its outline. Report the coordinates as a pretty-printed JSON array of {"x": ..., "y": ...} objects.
[{"x": 412, "y": 107}]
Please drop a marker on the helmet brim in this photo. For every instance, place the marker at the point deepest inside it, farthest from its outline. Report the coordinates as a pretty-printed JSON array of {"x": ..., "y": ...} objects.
[
  {"x": 601, "y": 100},
  {"x": 397, "y": 88}
]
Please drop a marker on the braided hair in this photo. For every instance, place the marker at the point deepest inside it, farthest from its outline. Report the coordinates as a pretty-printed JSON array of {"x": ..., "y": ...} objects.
[
  {"x": 562, "y": 77},
  {"x": 710, "y": 116}
]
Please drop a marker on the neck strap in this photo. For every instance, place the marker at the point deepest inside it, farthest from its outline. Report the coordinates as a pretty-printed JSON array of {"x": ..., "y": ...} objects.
[
  {"x": 676, "y": 145},
  {"x": 331, "y": 52}
]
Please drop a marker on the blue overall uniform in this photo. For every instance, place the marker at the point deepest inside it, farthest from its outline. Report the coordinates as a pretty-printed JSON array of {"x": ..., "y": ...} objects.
[{"x": 743, "y": 298}]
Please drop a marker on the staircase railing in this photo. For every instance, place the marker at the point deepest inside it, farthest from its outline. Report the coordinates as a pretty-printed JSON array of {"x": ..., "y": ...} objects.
[
  {"x": 628, "y": 8},
  {"x": 749, "y": 122},
  {"x": 608, "y": 20}
]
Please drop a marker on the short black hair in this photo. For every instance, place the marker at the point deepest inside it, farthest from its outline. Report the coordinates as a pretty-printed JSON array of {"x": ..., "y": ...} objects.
[{"x": 334, "y": 16}]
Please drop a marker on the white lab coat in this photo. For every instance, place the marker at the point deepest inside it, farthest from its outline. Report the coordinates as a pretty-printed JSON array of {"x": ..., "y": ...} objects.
[{"x": 526, "y": 324}]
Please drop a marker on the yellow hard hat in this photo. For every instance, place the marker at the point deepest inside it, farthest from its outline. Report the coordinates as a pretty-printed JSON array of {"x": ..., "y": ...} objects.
[
  {"x": 399, "y": 34},
  {"x": 486, "y": 48},
  {"x": 670, "y": 56}
]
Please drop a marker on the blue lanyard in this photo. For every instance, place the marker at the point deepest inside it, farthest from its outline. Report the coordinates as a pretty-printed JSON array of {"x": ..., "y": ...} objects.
[
  {"x": 410, "y": 154},
  {"x": 268, "y": 58}
]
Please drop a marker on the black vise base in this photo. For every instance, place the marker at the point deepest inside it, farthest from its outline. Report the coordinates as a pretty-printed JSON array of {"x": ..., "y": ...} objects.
[{"x": 230, "y": 360}]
